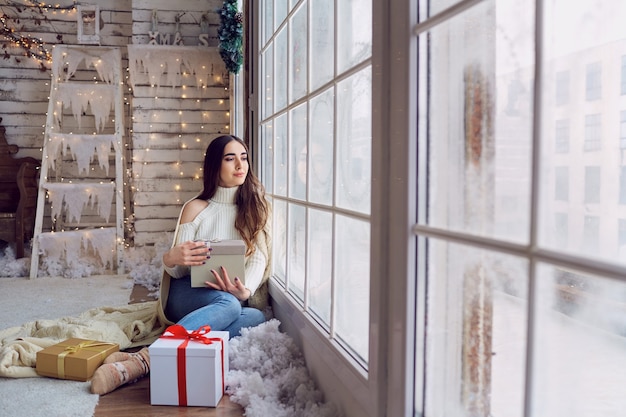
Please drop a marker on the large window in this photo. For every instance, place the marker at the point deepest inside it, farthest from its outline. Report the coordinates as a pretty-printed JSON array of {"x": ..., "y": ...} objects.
[
  {"x": 510, "y": 315},
  {"x": 434, "y": 239},
  {"x": 315, "y": 140}
]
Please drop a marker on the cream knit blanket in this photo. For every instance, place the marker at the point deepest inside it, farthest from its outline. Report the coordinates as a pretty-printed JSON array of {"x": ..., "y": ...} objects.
[{"x": 128, "y": 326}]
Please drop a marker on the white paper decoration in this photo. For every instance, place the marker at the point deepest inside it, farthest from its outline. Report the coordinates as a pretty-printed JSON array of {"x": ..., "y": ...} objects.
[
  {"x": 77, "y": 196},
  {"x": 73, "y": 244}
]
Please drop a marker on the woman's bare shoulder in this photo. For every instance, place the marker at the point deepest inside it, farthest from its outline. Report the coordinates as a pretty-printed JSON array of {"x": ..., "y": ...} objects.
[{"x": 192, "y": 209}]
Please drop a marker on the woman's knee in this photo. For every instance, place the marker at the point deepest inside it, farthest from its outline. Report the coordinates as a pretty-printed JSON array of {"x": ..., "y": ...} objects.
[{"x": 254, "y": 317}]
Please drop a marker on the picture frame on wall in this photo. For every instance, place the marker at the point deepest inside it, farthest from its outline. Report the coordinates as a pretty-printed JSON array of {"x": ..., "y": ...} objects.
[{"x": 88, "y": 19}]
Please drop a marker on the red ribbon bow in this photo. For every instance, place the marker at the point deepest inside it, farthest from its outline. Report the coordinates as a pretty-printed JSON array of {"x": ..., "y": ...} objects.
[{"x": 179, "y": 332}]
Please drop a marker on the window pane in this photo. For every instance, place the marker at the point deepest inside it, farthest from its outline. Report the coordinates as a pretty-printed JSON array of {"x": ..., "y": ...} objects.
[
  {"x": 354, "y": 137},
  {"x": 267, "y": 81},
  {"x": 562, "y": 87},
  {"x": 298, "y": 53},
  {"x": 592, "y": 184},
  {"x": 594, "y": 81},
  {"x": 579, "y": 345},
  {"x": 479, "y": 150},
  {"x": 267, "y": 16},
  {"x": 322, "y": 42},
  {"x": 280, "y": 159},
  {"x": 281, "y": 12},
  {"x": 319, "y": 273},
  {"x": 296, "y": 254},
  {"x": 622, "y": 186},
  {"x": 297, "y": 144},
  {"x": 320, "y": 158},
  {"x": 354, "y": 34},
  {"x": 561, "y": 229},
  {"x": 623, "y": 74},
  {"x": 622, "y": 129},
  {"x": 352, "y": 269},
  {"x": 267, "y": 164},
  {"x": 280, "y": 71},
  {"x": 562, "y": 136},
  {"x": 561, "y": 183},
  {"x": 621, "y": 237},
  {"x": 593, "y": 132},
  {"x": 279, "y": 239},
  {"x": 468, "y": 367}
]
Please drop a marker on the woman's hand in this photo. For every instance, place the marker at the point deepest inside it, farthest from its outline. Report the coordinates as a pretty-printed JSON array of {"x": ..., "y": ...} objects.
[
  {"x": 187, "y": 253},
  {"x": 224, "y": 284}
]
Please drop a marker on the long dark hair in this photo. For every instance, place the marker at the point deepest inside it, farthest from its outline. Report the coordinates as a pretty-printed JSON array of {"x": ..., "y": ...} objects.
[{"x": 252, "y": 207}]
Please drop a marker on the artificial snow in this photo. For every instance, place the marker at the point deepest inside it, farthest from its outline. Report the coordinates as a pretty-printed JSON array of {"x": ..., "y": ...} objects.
[
  {"x": 268, "y": 376},
  {"x": 11, "y": 267}
]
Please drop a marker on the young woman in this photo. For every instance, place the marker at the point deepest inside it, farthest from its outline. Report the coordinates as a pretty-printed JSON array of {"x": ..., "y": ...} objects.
[{"x": 232, "y": 205}]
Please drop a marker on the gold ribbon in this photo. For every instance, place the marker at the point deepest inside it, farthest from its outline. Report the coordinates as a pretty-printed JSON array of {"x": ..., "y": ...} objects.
[{"x": 87, "y": 345}]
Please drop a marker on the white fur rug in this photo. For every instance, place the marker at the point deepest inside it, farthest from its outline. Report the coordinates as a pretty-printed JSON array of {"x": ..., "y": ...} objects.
[{"x": 23, "y": 300}]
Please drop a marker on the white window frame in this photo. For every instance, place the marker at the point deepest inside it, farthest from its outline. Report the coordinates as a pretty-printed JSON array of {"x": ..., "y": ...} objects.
[{"x": 342, "y": 379}]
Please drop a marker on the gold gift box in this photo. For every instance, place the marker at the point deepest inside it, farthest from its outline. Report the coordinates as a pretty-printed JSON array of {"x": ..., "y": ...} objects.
[{"x": 75, "y": 359}]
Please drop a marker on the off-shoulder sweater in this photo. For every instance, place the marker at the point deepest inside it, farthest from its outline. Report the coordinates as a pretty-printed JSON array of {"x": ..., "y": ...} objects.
[{"x": 217, "y": 221}]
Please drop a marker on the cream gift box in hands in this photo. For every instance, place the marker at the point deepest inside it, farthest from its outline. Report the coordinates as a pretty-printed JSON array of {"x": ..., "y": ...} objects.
[{"x": 227, "y": 253}]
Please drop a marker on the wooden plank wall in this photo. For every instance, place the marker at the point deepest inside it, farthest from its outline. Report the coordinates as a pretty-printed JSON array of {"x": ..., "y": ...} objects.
[
  {"x": 173, "y": 124},
  {"x": 24, "y": 86},
  {"x": 25, "y": 82},
  {"x": 165, "y": 137}
]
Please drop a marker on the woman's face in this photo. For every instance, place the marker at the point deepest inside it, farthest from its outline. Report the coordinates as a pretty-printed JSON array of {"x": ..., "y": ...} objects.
[{"x": 235, "y": 166}]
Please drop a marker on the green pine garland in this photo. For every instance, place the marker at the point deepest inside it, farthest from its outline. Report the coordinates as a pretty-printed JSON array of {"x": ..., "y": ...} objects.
[{"x": 230, "y": 34}]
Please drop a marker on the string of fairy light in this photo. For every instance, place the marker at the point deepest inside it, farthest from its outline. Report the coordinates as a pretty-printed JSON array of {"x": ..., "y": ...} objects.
[
  {"x": 14, "y": 15},
  {"x": 32, "y": 46}
]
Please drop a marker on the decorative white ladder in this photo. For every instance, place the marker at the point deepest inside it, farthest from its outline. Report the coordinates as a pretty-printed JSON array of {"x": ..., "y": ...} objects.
[{"x": 68, "y": 187}]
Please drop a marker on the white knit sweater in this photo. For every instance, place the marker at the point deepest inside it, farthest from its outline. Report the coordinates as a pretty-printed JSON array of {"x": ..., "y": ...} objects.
[{"x": 217, "y": 221}]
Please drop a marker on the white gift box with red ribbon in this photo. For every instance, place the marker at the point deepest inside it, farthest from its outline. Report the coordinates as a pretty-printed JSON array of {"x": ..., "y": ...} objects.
[{"x": 187, "y": 368}]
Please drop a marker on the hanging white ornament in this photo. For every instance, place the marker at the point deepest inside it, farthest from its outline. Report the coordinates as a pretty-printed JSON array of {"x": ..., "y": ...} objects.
[
  {"x": 102, "y": 196},
  {"x": 55, "y": 142},
  {"x": 103, "y": 244},
  {"x": 49, "y": 245}
]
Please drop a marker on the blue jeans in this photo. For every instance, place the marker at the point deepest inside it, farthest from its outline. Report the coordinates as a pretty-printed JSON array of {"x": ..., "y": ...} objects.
[{"x": 194, "y": 307}]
